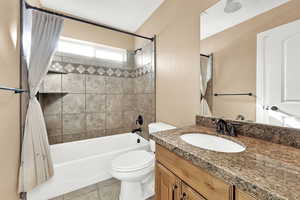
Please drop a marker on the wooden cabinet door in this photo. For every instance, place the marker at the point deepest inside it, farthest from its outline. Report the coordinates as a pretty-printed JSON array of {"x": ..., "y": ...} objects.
[
  {"x": 167, "y": 185},
  {"x": 240, "y": 195},
  {"x": 187, "y": 193},
  {"x": 210, "y": 187}
]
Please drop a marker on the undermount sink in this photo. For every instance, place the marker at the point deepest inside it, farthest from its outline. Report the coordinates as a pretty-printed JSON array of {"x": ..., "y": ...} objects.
[{"x": 213, "y": 143}]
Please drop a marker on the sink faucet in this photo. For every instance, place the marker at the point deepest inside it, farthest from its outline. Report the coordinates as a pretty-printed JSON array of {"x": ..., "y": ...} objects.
[
  {"x": 221, "y": 126},
  {"x": 225, "y": 128}
]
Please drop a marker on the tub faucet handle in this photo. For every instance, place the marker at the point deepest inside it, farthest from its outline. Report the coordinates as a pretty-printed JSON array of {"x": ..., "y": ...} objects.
[{"x": 140, "y": 120}]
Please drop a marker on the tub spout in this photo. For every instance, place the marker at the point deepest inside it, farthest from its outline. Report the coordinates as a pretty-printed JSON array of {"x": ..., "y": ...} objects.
[{"x": 138, "y": 130}]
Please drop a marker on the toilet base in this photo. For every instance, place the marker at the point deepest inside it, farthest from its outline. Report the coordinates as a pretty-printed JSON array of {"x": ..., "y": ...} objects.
[
  {"x": 148, "y": 186},
  {"x": 131, "y": 191},
  {"x": 137, "y": 190}
]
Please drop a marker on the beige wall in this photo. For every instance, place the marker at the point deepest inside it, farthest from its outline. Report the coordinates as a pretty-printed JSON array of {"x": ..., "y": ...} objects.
[
  {"x": 177, "y": 25},
  {"x": 82, "y": 31},
  {"x": 235, "y": 59},
  {"x": 86, "y": 32},
  {"x": 9, "y": 102}
]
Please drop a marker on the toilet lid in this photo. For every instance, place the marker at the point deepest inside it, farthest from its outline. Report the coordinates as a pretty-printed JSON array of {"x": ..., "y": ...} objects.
[{"x": 133, "y": 160}]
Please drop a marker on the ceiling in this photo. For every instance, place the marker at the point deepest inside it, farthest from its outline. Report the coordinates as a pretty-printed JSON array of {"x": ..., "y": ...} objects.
[
  {"x": 127, "y": 15},
  {"x": 215, "y": 20}
]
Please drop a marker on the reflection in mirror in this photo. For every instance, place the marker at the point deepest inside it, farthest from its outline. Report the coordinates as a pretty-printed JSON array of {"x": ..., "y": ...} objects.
[
  {"x": 228, "y": 13},
  {"x": 255, "y": 73},
  {"x": 206, "y": 84}
]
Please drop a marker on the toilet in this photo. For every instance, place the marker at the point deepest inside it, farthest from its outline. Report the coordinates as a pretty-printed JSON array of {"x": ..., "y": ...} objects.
[{"x": 135, "y": 169}]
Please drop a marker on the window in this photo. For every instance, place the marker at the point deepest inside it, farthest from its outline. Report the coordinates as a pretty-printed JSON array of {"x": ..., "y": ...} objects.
[
  {"x": 83, "y": 48},
  {"x": 75, "y": 48},
  {"x": 110, "y": 54}
]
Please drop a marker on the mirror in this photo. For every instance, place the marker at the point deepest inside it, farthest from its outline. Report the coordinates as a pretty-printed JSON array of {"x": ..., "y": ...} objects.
[{"x": 251, "y": 49}]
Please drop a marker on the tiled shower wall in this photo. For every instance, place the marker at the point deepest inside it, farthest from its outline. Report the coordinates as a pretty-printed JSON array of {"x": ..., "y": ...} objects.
[{"x": 96, "y": 97}]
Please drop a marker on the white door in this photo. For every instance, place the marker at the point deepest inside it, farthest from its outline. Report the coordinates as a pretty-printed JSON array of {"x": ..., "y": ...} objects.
[{"x": 278, "y": 76}]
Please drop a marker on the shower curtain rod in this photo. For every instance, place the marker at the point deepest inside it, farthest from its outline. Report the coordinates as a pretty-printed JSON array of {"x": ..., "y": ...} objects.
[
  {"x": 28, "y": 6},
  {"x": 139, "y": 49}
]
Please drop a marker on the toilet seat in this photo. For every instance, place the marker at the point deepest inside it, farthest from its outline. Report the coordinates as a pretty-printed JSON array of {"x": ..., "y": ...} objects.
[{"x": 133, "y": 161}]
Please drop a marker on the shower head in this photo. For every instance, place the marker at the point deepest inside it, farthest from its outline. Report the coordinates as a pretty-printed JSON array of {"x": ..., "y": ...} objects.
[
  {"x": 232, "y": 6},
  {"x": 137, "y": 50}
]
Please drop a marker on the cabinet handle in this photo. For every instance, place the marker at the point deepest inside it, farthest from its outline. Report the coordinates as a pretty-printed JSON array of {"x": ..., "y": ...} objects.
[
  {"x": 184, "y": 196},
  {"x": 173, "y": 191}
]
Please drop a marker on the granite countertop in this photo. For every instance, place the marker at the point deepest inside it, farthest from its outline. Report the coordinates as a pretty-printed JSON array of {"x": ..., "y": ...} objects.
[{"x": 266, "y": 170}]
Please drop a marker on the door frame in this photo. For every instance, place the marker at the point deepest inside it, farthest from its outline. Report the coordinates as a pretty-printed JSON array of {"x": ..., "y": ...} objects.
[{"x": 261, "y": 115}]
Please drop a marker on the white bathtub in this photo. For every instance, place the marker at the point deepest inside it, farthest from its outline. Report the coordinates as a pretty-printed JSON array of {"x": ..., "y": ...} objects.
[{"x": 82, "y": 163}]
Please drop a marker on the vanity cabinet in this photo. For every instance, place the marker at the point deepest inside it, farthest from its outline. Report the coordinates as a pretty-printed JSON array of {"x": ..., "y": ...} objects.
[
  {"x": 240, "y": 195},
  {"x": 187, "y": 193},
  {"x": 166, "y": 184},
  {"x": 179, "y": 179},
  {"x": 170, "y": 187}
]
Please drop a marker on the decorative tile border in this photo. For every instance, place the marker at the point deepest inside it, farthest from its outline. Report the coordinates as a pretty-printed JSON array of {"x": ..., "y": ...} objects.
[
  {"x": 59, "y": 66},
  {"x": 275, "y": 134}
]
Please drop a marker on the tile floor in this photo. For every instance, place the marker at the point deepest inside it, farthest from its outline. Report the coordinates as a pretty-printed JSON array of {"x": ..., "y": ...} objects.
[{"x": 106, "y": 190}]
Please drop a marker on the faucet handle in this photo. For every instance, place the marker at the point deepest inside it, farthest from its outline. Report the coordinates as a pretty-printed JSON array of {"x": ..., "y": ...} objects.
[
  {"x": 140, "y": 120},
  {"x": 231, "y": 130},
  {"x": 221, "y": 126}
]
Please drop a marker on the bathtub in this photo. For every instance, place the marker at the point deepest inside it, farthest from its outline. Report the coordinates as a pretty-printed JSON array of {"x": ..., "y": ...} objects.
[{"x": 82, "y": 163}]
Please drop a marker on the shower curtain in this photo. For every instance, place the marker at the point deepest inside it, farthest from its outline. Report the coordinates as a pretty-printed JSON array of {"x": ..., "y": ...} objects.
[
  {"x": 205, "y": 77},
  {"x": 36, "y": 164}
]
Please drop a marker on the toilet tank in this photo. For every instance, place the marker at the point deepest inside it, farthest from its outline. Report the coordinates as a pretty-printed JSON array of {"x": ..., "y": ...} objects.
[{"x": 157, "y": 127}]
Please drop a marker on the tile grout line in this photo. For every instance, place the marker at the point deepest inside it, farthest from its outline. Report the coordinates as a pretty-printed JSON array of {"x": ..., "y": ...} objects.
[
  {"x": 85, "y": 106},
  {"x": 61, "y": 111},
  {"x": 62, "y": 106}
]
